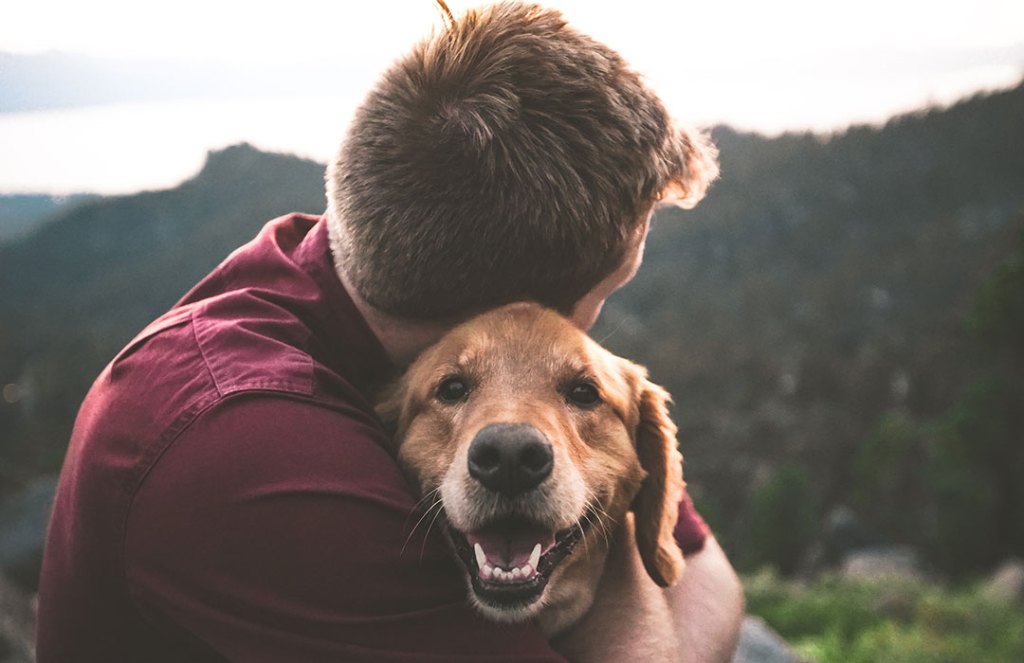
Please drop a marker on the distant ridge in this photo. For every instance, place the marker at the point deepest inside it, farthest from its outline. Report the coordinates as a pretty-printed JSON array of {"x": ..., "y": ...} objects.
[{"x": 20, "y": 214}]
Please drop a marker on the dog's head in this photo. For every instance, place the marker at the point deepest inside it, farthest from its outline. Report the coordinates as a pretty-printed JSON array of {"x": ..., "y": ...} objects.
[{"x": 537, "y": 442}]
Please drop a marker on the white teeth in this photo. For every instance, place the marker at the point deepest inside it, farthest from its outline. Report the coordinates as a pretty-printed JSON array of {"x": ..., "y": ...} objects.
[
  {"x": 481, "y": 558},
  {"x": 498, "y": 574},
  {"x": 535, "y": 556}
]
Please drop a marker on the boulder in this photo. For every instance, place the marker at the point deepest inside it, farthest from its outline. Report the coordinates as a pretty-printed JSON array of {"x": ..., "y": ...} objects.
[
  {"x": 1006, "y": 583},
  {"x": 759, "y": 643}
]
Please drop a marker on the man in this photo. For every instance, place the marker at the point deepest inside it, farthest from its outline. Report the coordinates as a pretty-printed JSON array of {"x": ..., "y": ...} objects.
[{"x": 227, "y": 493}]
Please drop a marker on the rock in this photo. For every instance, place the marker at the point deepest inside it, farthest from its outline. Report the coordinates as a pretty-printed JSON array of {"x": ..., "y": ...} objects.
[
  {"x": 1007, "y": 583},
  {"x": 882, "y": 563},
  {"x": 760, "y": 644}
]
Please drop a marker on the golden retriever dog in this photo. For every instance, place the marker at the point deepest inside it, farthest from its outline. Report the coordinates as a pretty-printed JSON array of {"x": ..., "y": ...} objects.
[{"x": 536, "y": 442}]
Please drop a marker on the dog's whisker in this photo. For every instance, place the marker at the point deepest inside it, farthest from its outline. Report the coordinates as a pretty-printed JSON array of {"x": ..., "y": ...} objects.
[
  {"x": 615, "y": 330},
  {"x": 438, "y": 504},
  {"x": 603, "y": 522},
  {"x": 423, "y": 546},
  {"x": 602, "y": 528},
  {"x": 408, "y": 537},
  {"x": 422, "y": 500},
  {"x": 416, "y": 507}
]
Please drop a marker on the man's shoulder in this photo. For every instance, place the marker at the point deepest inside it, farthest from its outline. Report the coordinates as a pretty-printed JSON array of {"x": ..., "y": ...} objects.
[{"x": 187, "y": 360}]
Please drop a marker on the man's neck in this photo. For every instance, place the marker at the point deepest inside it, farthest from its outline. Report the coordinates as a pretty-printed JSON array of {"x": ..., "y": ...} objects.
[{"x": 403, "y": 340}]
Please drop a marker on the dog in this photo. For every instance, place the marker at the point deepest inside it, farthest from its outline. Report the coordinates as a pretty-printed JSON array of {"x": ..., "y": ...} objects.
[{"x": 536, "y": 444}]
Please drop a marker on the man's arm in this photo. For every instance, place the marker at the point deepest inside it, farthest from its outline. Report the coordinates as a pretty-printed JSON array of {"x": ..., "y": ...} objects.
[
  {"x": 707, "y": 606},
  {"x": 696, "y": 621}
]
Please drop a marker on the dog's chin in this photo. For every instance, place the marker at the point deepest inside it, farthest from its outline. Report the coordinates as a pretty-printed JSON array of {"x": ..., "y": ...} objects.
[{"x": 510, "y": 561}]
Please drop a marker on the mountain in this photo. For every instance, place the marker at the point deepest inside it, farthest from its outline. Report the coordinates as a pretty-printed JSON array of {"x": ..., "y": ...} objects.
[
  {"x": 21, "y": 213},
  {"x": 820, "y": 290}
]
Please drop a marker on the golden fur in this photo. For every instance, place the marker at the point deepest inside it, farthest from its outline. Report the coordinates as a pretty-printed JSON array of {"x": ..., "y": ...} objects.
[{"x": 616, "y": 456}]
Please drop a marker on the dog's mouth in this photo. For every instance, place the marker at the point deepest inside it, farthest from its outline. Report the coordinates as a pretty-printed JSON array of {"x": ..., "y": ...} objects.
[{"x": 510, "y": 560}]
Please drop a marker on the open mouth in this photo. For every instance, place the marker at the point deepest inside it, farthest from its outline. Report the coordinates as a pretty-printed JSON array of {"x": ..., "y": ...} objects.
[{"x": 510, "y": 560}]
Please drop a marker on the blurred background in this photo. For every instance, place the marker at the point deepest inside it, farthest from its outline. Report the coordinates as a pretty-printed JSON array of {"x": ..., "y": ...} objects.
[{"x": 841, "y": 321}]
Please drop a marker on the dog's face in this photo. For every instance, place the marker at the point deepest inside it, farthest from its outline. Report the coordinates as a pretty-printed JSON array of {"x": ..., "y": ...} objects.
[{"x": 536, "y": 442}]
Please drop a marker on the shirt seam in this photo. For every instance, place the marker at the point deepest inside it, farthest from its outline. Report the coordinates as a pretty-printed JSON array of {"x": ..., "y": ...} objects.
[{"x": 206, "y": 360}]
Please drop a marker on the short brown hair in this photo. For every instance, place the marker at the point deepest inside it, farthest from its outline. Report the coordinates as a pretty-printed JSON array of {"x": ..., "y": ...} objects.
[{"x": 507, "y": 157}]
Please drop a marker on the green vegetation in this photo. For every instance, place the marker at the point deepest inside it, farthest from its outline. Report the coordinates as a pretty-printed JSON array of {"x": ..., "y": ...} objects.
[
  {"x": 783, "y": 521},
  {"x": 834, "y": 621}
]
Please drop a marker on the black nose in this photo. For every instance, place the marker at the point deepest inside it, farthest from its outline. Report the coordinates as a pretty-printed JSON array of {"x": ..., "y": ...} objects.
[{"x": 510, "y": 458}]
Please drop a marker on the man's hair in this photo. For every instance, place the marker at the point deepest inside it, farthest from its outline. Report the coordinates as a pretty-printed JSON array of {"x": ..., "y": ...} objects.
[{"x": 507, "y": 157}]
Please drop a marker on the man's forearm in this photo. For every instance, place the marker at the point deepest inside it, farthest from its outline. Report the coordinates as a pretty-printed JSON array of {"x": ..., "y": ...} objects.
[
  {"x": 707, "y": 606},
  {"x": 696, "y": 621}
]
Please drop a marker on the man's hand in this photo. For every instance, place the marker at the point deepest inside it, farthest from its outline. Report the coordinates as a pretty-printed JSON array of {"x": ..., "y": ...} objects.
[
  {"x": 696, "y": 621},
  {"x": 707, "y": 606}
]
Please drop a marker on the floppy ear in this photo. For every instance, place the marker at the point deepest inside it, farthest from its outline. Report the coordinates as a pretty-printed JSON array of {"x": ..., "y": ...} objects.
[{"x": 656, "y": 506}]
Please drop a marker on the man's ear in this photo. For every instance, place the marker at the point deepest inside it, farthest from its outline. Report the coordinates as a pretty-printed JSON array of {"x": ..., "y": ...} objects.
[{"x": 656, "y": 506}]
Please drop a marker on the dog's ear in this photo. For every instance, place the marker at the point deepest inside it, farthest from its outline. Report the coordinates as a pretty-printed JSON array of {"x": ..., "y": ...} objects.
[{"x": 656, "y": 506}]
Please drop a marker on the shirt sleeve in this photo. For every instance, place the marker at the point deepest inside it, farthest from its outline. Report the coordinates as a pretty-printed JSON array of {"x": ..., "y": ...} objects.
[
  {"x": 691, "y": 531},
  {"x": 276, "y": 529}
]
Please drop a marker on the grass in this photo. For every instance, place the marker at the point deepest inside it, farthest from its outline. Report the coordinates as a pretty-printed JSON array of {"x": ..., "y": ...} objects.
[{"x": 892, "y": 621}]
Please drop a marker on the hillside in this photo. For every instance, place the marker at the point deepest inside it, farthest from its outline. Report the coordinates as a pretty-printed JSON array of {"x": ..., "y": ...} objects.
[
  {"x": 20, "y": 214},
  {"x": 821, "y": 287}
]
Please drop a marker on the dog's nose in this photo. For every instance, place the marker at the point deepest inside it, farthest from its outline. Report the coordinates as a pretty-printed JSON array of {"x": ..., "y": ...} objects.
[{"x": 510, "y": 458}]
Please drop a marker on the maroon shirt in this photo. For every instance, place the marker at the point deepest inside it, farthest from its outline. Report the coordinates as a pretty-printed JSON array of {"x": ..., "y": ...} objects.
[{"x": 227, "y": 493}]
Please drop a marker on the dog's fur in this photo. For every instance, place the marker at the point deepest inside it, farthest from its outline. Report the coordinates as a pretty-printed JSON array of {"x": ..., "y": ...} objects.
[{"x": 520, "y": 363}]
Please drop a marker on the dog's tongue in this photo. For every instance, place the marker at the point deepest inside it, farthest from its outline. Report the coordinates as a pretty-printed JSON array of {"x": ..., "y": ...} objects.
[{"x": 510, "y": 545}]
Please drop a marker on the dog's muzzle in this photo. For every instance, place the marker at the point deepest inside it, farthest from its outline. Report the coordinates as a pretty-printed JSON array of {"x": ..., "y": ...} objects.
[{"x": 511, "y": 557}]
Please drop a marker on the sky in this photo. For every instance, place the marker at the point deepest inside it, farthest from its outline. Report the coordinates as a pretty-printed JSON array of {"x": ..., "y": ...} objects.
[{"x": 765, "y": 66}]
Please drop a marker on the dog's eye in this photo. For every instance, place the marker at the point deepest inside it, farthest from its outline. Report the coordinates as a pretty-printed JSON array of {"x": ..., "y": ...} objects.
[
  {"x": 583, "y": 394},
  {"x": 452, "y": 390}
]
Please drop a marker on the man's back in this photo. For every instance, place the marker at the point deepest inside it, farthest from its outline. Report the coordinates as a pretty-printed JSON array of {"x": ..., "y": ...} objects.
[{"x": 228, "y": 494}]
